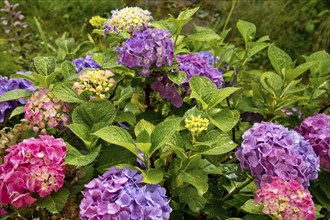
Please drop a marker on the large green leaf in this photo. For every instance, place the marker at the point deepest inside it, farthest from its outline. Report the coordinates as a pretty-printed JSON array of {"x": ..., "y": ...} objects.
[
  {"x": 68, "y": 69},
  {"x": 221, "y": 95},
  {"x": 224, "y": 119},
  {"x": 118, "y": 136},
  {"x": 44, "y": 65},
  {"x": 324, "y": 178},
  {"x": 279, "y": 59},
  {"x": 163, "y": 132},
  {"x": 144, "y": 125},
  {"x": 15, "y": 94},
  {"x": 189, "y": 196},
  {"x": 177, "y": 77},
  {"x": 247, "y": 30},
  {"x": 196, "y": 177},
  {"x": 321, "y": 61},
  {"x": 74, "y": 157},
  {"x": 271, "y": 82},
  {"x": 202, "y": 89},
  {"x": 250, "y": 207},
  {"x": 55, "y": 202},
  {"x": 152, "y": 176},
  {"x": 83, "y": 132},
  {"x": 65, "y": 92}
]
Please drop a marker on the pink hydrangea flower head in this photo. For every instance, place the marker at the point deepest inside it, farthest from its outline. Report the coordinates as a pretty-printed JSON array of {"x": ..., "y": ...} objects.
[
  {"x": 36, "y": 165},
  {"x": 316, "y": 130},
  {"x": 286, "y": 200},
  {"x": 43, "y": 109}
]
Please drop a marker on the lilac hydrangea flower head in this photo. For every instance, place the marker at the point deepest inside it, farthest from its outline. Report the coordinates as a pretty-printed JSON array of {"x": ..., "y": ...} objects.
[
  {"x": 271, "y": 150},
  {"x": 9, "y": 85},
  {"x": 194, "y": 64},
  {"x": 129, "y": 19},
  {"x": 36, "y": 165},
  {"x": 168, "y": 90},
  {"x": 209, "y": 57},
  {"x": 143, "y": 49},
  {"x": 83, "y": 63},
  {"x": 43, "y": 108},
  {"x": 286, "y": 200},
  {"x": 120, "y": 194},
  {"x": 316, "y": 130}
]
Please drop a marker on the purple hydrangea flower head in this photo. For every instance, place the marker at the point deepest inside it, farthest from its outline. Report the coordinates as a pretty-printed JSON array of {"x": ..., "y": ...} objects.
[
  {"x": 9, "y": 85},
  {"x": 271, "y": 150},
  {"x": 168, "y": 90},
  {"x": 286, "y": 200},
  {"x": 143, "y": 49},
  {"x": 208, "y": 56},
  {"x": 120, "y": 194},
  {"x": 196, "y": 64},
  {"x": 129, "y": 19},
  {"x": 316, "y": 130},
  {"x": 87, "y": 62}
]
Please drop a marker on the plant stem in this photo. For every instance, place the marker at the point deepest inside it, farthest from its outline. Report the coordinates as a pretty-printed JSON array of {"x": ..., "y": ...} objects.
[
  {"x": 233, "y": 3},
  {"x": 236, "y": 190}
]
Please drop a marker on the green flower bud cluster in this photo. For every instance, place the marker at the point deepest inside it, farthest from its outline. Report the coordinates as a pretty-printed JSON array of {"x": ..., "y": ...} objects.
[
  {"x": 196, "y": 124},
  {"x": 97, "y": 21},
  {"x": 12, "y": 136},
  {"x": 97, "y": 83}
]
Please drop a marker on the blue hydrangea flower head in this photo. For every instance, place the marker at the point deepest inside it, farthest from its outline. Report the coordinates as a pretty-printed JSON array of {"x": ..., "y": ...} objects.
[{"x": 83, "y": 63}]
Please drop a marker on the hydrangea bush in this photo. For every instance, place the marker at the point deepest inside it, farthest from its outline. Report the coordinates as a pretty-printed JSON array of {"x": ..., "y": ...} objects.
[{"x": 148, "y": 121}]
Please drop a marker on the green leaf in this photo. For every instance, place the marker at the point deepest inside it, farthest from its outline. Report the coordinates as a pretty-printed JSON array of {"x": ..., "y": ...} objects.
[
  {"x": 15, "y": 94},
  {"x": 125, "y": 93},
  {"x": 117, "y": 136},
  {"x": 188, "y": 13},
  {"x": 204, "y": 36},
  {"x": 74, "y": 157},
  {"x": 189, "y": 196},
  {"x": 86, "y": 174},
  {"x": 83, "y": 132},
  {"x": 152, "y": 176},
  {"x": 324, "y": 178},
  {"x": 177, "y": 77},
  {"x": 271, "y": 82},
  {"x": 65, "y": 44},
  {"x": 17, "y": 111},
  {"x": 68, "y": 69},
  {"x": 321, "y": 60},
  {"x": 143, "y": 125},
  {"x": 129, "y": 117},
  {"x": 250, "y": 207},
  {"x": 209, "y": 167},
  {"x": 255, "y": 47},
  {"x": 55, "y": 202},
  {"x": 279, "y": 59},
  {"x": 195, "y": 177},
  {"x": 221, "y": 95},
  {"x": 94, "y": 115},
  {"x": 163, "y": 132},
  {"x": 320, "y": 195},
  {"x": 292, "y": 74},
  {"x": 41, "y": 80},
  {"x": 247, "y": 30},
  {"x": 44, "y": 65},
  {"x": 224, "y": 119},
  {"x": 202, "y": 89},
  {"x": 65, "y": 92}
]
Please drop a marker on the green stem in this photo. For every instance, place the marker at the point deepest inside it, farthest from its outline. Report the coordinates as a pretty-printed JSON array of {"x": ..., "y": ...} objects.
[
  {"x": 233, "y": 3},
  {"x": 236, "y": 190}
]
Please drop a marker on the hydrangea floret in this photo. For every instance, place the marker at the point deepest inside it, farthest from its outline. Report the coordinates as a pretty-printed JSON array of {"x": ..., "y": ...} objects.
[
  {"x": 36, "y": 165},
  {"x": 96, "y": 83},
  {"x": 83, "y": 63},
  {"x": 9, "y": 85},
  {"x": 97, "y": 21},
  {"x": 286, "y": 200},
  {"x": 143, "y": 49},
  {"x": 271, "y": 150},
  {"x": 129, "y": 19},
  {"x": 43, "y": 108},
  {"x": 195, "y": 64},
  {"x": 316, "y": 130},
  {"x": 196, "y": 124},
  {"x": 120, "y": 194}
]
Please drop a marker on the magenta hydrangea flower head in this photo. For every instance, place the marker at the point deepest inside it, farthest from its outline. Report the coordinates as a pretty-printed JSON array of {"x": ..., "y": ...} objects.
[
  {"x": 43, "y": 109},
  {"x": 271, "y": 150},
  {"x": 143, "y": 49},
  {"x": 120, "y": 194},
  {"x": 129, "y": 20},
  {"x": 96, "y": 83},
  {"x": 9, "y": 85},
  {"x": 32, "y": 166},
  {"x": 316, "y": 130},
  {"x": 196, "y": 64},
  {"x": 286, "y": 200},
  {"x": 83, "y": 63}
]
